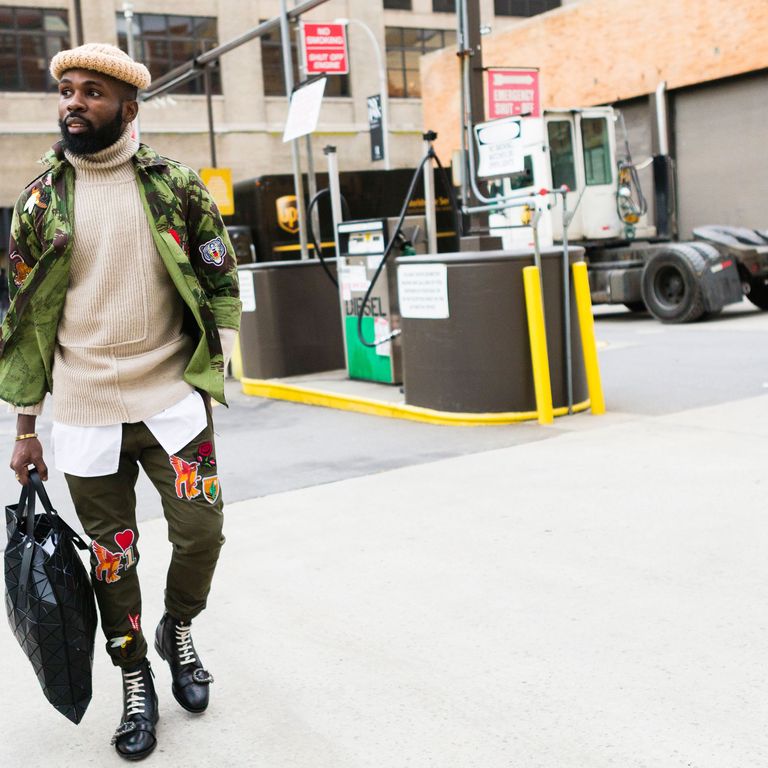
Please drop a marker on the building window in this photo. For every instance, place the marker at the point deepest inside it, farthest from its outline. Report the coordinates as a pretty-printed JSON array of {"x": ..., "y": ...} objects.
[
  {"x": 272, "y": 68},
  {"x": 398, "y": 5},
  {"x": 405, "y": 46},
  {"x": 164, "y": 41},
  {"x": 444, "y": 6},
  {"x": 524, "y": 7},
  {"x": 29, "y": 38}
]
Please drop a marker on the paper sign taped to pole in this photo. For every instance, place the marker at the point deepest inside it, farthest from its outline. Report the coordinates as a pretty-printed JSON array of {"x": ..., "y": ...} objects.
[
  {"x": 304, "y": 111},
  {"x": 499, "y": 147}
]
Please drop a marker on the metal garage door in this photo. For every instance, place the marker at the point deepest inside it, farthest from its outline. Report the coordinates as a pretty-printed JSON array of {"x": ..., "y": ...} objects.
[{"x": 721, "y": 147}]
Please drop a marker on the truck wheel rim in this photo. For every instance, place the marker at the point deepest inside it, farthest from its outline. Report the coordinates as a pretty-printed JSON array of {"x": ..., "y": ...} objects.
[{"x": 669, "y": 286}]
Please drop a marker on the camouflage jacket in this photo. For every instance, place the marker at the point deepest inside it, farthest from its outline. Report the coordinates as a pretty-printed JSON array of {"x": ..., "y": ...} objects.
[{"x": 190, "y": 238}]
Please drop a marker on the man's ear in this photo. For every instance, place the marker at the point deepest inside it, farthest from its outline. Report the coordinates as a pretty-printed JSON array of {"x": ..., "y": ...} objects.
[{"x": 130, "y": 110}]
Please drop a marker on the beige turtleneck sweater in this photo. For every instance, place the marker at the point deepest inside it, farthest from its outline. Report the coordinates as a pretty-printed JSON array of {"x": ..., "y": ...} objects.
[{"x": 120, "y": 353}]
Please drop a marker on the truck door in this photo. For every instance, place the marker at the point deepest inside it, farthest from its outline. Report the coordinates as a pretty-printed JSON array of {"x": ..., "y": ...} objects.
[
  {"x": 561, "y": 152},
  {"x": 581, "y": 146}
]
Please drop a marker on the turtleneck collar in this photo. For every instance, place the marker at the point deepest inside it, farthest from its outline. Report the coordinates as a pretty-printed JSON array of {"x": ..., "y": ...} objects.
[{"x": 111, "y": 157}]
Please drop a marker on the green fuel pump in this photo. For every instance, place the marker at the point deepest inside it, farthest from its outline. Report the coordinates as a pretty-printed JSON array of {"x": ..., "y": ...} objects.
[{"x": 362, "y": 247}]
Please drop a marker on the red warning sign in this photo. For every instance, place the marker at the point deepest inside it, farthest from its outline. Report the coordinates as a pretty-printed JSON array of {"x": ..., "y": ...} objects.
[
  {"x": 513, "y": 92},
  {"x": 325, "y": 48}
]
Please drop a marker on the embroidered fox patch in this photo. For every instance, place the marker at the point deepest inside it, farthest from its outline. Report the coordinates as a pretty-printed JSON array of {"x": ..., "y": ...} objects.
[{"x": 186, "y": 477}]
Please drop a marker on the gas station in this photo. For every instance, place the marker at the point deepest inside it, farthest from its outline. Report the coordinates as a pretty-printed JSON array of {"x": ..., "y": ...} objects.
[{"x": 395, "y": 314}]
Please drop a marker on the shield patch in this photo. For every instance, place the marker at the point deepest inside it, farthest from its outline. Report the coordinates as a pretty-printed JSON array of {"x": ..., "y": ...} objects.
[{"x": 211, "y": 489}]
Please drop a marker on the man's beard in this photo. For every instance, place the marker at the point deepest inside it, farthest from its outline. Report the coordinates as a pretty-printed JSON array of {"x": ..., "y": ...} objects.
[{"x": 94, "y": 139}]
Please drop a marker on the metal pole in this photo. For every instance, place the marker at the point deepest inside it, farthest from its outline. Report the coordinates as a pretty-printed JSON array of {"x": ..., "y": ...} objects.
[
  {"x": 285, "y": 34},
  {"x": 336, "y": 215},
  {"x": 335, "y": 192},
  {"x": 383, "y": 85},
  {"x": 128, "y": 16},
  {"x": 311, "y": 176},
  {"x": 429, "y": 194},
  {"x": 209, "y": 103},
  {"x": 567, "y": 303},
  {"x": 79, "y": 23}
]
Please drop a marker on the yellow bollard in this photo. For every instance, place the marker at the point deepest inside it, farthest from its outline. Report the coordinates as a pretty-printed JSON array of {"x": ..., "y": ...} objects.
[
  {"x": 588, "y": 344},
  {"x": 236, "y": 364},
  {"x": 538, "y": 337}
]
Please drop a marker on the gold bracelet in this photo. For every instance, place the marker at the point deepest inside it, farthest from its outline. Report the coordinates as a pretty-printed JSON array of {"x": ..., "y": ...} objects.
[{"x": 27, "y": 436}]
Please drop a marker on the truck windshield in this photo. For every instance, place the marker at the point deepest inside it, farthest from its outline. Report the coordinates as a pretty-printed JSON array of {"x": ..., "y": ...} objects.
[
  {"x": 597, "y": 151},
  {"x": 561, "y": 154}
]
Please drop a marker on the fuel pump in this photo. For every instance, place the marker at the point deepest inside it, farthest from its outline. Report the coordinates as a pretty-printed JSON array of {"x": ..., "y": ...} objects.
[{"x": 362, "y": 247}]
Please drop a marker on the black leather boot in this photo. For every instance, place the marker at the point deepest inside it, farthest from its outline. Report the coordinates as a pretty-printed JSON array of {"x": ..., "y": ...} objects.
[
  {"x": 173, "y": 641},
  {"x": 135, "y": 737}
]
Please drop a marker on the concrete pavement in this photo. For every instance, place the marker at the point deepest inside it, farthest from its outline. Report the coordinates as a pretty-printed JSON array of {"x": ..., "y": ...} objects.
[{"x": 595, "y": 600}]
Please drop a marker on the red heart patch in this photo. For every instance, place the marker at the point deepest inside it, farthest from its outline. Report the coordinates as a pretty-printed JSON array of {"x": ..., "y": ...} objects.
[{"x": 124, "y": 539}]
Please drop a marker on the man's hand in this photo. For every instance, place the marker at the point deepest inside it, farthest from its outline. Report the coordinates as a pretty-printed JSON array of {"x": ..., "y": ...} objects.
[{"x": 28, "y": 451}]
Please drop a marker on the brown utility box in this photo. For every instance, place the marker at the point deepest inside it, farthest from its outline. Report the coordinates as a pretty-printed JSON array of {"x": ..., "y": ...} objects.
[
  {"x": 295, "y": 326},
  {"x": 478, "y": 360}
]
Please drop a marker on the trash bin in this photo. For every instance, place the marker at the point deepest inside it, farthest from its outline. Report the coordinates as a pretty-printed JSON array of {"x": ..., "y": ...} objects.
[
  {"x": 291, "y": 322},
  {"x": 478, "y": 359}
]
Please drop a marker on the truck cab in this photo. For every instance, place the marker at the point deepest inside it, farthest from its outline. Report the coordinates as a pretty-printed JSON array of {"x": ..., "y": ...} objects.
[{"x": 575, "y": 148}]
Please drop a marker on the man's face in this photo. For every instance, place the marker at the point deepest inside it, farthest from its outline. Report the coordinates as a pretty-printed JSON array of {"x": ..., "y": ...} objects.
[{"x": 93, "y": 110}]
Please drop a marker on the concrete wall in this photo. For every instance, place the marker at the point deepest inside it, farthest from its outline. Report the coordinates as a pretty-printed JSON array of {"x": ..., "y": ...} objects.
[{"x": 603, "y": 51}]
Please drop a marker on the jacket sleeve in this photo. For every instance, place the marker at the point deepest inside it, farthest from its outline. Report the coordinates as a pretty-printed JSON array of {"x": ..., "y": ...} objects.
[{"x": 212, "y": 255}]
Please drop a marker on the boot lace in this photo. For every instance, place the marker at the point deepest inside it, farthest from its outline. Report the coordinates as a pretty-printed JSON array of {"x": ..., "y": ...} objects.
[
  {"x": 135, "y": 696},
  {"x": 184, "y": 644}
]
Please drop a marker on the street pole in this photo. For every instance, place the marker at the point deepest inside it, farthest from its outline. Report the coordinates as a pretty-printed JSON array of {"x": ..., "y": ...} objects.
[
  {"x": 209, "y": 104},
  {"x": 128, "y": 16},
  {"x": 285, "y": 34},
  {"x": 383, "y": 87},
  {"x": 430, "y": 214},
  {"x": 311, "y": 175}
]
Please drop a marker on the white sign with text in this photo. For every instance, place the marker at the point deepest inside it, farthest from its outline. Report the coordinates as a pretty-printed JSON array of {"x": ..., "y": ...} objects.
[{"x": 423, "y": 291}]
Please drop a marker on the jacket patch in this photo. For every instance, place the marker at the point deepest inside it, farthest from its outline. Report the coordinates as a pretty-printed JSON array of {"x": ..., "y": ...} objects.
[
  {"x": 35, "y": 199},
  {"x": 211, "y": 489},
  {"x": 20, "y": 269},
  {"x": 214, "y": 251},
  {"x": 186, "y": 477},
  {"x": 135, "y": 621}
]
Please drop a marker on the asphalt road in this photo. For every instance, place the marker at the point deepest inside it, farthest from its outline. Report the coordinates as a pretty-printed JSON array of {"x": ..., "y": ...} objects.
[{"x": 268, "y": 447}]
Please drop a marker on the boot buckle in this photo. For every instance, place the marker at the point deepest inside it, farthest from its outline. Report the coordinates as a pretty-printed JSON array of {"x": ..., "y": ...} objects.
[
  {"x": 122, "y": 729},
  {"x": 202, "y": 676}
]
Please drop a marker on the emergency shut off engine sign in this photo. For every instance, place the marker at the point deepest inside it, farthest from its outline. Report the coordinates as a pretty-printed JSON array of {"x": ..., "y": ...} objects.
[{"x": 325, "y": 48}]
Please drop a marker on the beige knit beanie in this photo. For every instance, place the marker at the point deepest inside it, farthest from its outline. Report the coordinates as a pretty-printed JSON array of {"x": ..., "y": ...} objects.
[{"x": 104, "y": 58}]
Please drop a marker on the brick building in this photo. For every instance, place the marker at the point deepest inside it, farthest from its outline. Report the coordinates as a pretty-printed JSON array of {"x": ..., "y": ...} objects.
[{"x": 712, "y": 56}]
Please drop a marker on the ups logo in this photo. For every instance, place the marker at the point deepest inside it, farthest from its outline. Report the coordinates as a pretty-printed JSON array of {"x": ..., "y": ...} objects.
[{"x": 287, "y": 213}]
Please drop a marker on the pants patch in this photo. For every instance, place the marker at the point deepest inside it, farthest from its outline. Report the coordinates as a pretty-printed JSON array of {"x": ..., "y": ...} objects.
[
  {"x": 109, "y": 564},
  {"x": 205, "y": 457},
  {"x": 211, "y": 489},
  {"x": 186, "y": 477}
]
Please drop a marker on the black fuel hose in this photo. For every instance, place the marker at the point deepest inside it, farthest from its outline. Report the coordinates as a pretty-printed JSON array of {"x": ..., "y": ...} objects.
[
  {"x": 318, "y": 248},
  {"x": 408, "y": 197}
]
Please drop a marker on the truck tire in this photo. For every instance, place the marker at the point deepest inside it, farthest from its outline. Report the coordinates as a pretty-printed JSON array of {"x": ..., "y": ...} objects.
[
  {"x": 671, "y": 284},
  {"x": 757, "y": 291}
]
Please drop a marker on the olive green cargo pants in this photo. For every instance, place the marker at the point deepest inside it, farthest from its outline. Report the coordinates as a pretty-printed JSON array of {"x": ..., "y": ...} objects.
[{"x": 188, "y": 484}]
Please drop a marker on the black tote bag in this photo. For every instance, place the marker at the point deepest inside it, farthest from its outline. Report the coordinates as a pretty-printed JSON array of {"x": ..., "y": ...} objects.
[{"x": 49, "y": 599}]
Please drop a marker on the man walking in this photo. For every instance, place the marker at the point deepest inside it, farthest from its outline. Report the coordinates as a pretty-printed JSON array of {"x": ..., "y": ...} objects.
[{"x": 125, "y": 307}]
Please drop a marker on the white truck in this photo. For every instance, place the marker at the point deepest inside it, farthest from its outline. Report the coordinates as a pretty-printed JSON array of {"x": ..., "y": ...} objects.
[{"x": 629, "y": 261}]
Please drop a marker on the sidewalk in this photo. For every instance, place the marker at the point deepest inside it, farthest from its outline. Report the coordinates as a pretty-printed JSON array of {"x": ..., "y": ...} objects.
[{"x": 596, "y": 600}]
